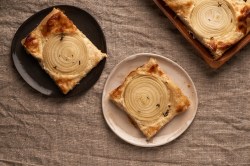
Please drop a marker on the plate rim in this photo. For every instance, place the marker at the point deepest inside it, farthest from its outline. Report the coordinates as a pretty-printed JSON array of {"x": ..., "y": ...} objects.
[
  {"x": 15, "y": 40},
  {"x": 134, "y": 56}
]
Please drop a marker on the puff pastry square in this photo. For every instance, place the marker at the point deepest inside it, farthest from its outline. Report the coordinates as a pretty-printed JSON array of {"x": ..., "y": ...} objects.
[
  {"x": 62, "y": 50},
  {"x": 217, "y": 24},
  {"x": 150, "y": 98}
]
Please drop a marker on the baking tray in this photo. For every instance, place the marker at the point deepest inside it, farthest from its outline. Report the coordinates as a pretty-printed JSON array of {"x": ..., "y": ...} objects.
[{"x": 202, "y": 50}]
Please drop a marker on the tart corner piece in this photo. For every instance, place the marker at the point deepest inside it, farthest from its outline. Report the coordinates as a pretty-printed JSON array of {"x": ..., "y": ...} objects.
[
  {"x": 62, "y": 50},
  {"x": 150, "y": 98}
]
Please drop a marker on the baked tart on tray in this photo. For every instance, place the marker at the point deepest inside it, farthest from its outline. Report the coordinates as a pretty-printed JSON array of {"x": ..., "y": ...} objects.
[{"x": 217, "y": 29}]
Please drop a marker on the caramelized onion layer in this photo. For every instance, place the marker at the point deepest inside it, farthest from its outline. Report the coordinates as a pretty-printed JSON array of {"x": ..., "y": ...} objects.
[
  {"x": 146, "y": 98},
  {"x": 64, "y": 54},
  {"x": 213, "y": 19}
]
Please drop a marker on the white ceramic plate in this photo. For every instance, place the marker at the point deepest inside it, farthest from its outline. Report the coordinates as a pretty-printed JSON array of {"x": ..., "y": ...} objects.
[{"x": 119, "y": 122}]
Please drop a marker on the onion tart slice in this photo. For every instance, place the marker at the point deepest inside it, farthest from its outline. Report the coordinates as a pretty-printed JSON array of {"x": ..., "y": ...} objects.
[
  {"x": 62, "y": 50},
  {"x": 150, "y": 98}
]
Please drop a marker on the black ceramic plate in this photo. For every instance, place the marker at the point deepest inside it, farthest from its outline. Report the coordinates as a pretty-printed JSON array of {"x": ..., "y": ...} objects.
[{"x": 29, "y": 68}]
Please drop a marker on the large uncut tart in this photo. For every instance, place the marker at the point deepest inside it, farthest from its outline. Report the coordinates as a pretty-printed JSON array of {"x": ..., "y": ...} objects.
[{"x": 217, "y": 24}]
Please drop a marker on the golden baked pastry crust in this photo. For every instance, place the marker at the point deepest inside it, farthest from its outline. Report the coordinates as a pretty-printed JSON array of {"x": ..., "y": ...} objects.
[
  {"x": 62, "y": 50},
  {"x": 150, "y": 98},
  {"x": 217, "y": 24}
]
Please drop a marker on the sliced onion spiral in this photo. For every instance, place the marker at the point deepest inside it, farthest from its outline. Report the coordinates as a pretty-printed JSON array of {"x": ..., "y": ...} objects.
[
  {"x": 64, "y": 54},
  {"x": 213, "y": 18},
  {"x": 146, "y": 98}
]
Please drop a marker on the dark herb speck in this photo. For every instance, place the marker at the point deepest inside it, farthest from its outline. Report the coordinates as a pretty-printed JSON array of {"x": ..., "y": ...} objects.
[
  {"x": 165, "y": 113},
  {"x": 62, "y": 36}
]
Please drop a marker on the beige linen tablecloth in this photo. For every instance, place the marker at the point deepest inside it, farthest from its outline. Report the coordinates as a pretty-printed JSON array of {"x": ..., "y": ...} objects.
[{"x": 39, "y": 130}]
